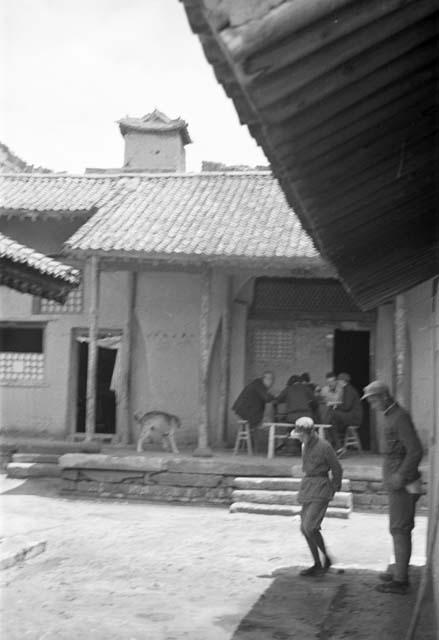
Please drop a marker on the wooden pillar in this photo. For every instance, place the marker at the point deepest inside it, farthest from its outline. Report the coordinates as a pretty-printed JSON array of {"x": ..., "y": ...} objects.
[
  {"x": 402, "y": 372},
  {"x": 90, "y": 421},
  {"x": 226, "y": 329},
  {"x": 203, "y": 450},
  {"x": 125, "y": 413}
]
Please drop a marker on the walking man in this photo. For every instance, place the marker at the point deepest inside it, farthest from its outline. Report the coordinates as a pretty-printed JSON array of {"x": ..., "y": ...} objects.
[
  {"x": 316, "y": 491},
  {"x": 401, "y": 478}
]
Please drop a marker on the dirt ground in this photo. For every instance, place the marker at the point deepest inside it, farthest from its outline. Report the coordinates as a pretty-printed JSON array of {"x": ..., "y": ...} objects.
[{"x": 139, "y": 571}]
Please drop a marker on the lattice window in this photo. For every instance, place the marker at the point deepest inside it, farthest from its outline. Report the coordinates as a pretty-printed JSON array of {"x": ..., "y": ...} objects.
[
  {"x": 21, "y": 354},
  {"x": 21, "y": 367},
  {"x": 271, "y": 344},
  {"x": 73, "y": 303}
]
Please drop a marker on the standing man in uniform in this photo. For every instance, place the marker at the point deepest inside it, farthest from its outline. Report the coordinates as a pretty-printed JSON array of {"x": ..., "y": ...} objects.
[
  {"x": 401, "y": 478},
  {"x": 250, "y": 404},
  {"x": 316, "y": 491}
]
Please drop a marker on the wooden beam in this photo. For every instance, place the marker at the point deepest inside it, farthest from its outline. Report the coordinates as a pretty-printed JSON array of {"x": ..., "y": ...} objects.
[
  {"x": 332, "y": 99},
  {"x": 203, "y": 450},
  {"x": 352, "y": 56},
  {"x": 401, "y": 352},
  {"x": 226, "y": 329},
  {"x": 125, "y": 409},
  {"x": 331, "y": 28},
  {"x": 385, "y": 103},
  {"x": 279, "y": 23},
  {"x": 90, "y": 419}
]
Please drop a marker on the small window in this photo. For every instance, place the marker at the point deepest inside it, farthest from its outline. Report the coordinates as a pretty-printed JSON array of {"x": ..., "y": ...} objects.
[
  {"x": 73, "y": 303},
  {"x": 21, "y": 354}
]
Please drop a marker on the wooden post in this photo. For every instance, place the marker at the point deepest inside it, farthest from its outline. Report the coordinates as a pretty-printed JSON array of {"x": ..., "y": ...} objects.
[
  {"x": 226, "y": 327},
  {"x": 90, "y": 421},
  {"x": 203, "y": 450},
  {"x": 124, "y": 429},
  {"x": 401, "y": 352}
]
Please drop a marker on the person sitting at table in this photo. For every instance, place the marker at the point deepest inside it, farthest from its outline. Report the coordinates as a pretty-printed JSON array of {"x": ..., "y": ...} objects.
[
  {"x": 306, "y": 380},
  {"x": 298, "y": 399},
  {"x": 348, "y": 413},
  {"x": 250, "y": 404}
]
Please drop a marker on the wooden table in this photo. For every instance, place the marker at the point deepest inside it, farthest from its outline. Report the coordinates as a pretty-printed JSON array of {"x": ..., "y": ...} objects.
[
  {"x": 276, "y": 431},
  {"x": 279, "y": 431}
]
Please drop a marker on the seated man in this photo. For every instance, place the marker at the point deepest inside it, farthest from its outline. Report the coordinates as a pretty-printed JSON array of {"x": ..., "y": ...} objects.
[
  {"x": 250, "y": 404},
  {"x": 348, "y": 413},
  {"x": 298, "y": 399},
  {"x": 330, "y": 397}
]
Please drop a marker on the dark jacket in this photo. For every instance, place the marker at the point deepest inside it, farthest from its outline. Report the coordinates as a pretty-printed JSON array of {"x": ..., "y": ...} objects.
[
  {"x": 318, "y": 458},
  {"x": 403, "y": 449},
  {"x": 351, "y": 406},
  {"x": 298, "y": 399},
  {"x": 250, "y": 404}
]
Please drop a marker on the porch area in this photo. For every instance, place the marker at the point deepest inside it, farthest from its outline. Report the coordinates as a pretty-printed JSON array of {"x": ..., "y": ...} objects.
[{"x": 117, "y": 472}]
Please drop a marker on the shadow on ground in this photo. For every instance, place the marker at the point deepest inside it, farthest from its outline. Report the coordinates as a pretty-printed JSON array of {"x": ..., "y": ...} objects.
[
  {"x": 45, "y": 487},
  {"x": 339, "y": 606}
]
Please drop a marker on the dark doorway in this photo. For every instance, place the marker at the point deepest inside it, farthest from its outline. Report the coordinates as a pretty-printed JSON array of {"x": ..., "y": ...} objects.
[
  {"x": 105, "y": 397},
  {"x": 352, "y": 355}
]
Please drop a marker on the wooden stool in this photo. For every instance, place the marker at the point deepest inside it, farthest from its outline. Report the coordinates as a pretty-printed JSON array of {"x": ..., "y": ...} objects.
[
  {"x": 243, "y": 435},
  {"x": 352, "y": 439}
]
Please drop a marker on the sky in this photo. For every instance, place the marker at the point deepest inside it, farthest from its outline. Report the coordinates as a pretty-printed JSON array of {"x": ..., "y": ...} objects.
[{"x": 70, "y": 69}]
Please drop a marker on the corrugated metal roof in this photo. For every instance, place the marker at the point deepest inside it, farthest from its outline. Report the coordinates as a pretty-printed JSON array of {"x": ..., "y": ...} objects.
[
  {"x": 28, "y": 271},
  {"x": 211, "y": 216},
  {"x": 342, "y": 96}
]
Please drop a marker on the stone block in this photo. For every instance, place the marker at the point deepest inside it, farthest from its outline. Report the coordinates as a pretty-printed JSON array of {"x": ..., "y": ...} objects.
[
  {"x": 84, "y": 486},
  {"x": 68, "y": 485},
  {"x": 69, "y": 474},
  {"x": 115, "y": 476},
  {"x": 233, "y": 467},
  {"x": 50, "y": 458},
  {"x": 268, "y": 484},
  {"x": 359, "y": 486},
  {"x": 15, "y": 551},
  {"x": 188, "y": 479},
  {"x": 265, "y": 497},
  {"x": 109, "y": 462},
  {"x": 380, "y": 500},
  {"x": 362, "y": 499},
  {"x": 32, "y": 470}
]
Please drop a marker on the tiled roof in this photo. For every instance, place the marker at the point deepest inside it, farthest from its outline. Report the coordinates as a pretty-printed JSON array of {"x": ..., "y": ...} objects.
[
  {"x": 216, "y": 217},
  {"x": 36, "y": 195},
  {"x": 156, "y": 121},
  {"x": 28, "y": 271}
]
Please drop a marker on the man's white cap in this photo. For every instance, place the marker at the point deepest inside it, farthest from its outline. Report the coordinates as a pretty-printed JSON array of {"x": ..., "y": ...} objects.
[{"x": 303, "y": 424}]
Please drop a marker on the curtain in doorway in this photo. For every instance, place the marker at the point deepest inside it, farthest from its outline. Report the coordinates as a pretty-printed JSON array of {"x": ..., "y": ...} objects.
[{"x": 110, "y": 342}]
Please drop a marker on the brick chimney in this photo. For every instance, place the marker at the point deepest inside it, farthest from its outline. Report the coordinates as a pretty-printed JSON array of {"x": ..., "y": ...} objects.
[{"x": 154, "y": 143}]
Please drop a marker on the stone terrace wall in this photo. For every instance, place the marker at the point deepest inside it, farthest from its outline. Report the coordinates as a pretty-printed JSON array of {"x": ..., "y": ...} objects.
[
  {"x": 193, "y": 480},
  {"x": 141, "y": 478}
]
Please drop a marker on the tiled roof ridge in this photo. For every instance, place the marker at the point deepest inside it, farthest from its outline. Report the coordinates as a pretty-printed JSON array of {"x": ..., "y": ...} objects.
[
  {"x": 22, "y": 254},
  {"x": 140, "y": 174}
]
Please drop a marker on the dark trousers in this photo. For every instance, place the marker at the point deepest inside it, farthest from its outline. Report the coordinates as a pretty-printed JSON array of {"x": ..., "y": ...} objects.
[
  {"x": 311, "y": 518},
  {"x": 402, "y": 508},
  {"x": 341, "y": 420}
]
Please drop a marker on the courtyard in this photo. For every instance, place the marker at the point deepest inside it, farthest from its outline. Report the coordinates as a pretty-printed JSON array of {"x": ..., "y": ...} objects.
[{"x": 133, "y": 571}]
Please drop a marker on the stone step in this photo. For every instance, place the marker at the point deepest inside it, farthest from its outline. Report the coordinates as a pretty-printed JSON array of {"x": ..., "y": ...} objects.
[
  {"x": 341, "y": 499},
  {"x": 283, "y": 509},
  {"x": 276, "y": 484},
  {"x": 33, "y": 470},
  {"x": 51, "y": 458}
]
